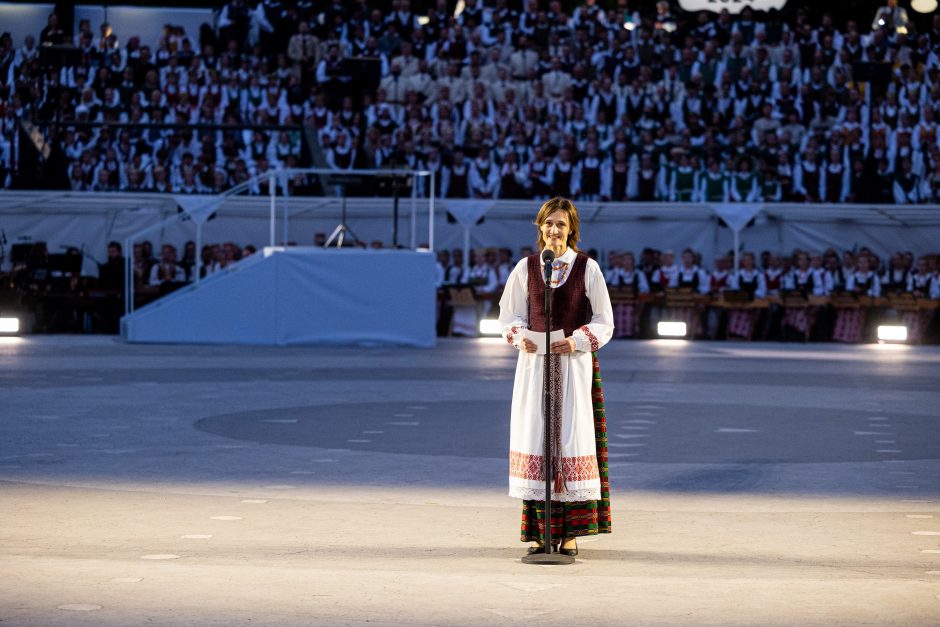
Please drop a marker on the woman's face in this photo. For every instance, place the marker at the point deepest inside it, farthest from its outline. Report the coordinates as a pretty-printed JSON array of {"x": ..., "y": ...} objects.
[{"x": 555, "y": 230}]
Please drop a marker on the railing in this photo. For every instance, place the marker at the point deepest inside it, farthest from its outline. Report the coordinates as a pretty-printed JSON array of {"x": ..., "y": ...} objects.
[{"x": 199, "y": 208}]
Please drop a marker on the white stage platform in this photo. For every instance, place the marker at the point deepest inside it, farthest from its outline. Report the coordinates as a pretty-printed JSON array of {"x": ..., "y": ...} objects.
[{"x": 286, "y": 296}]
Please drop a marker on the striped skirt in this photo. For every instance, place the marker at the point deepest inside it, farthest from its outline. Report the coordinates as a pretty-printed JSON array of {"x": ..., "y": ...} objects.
[
  {"x": 849, "y": 323},
  {"x": 741, "y": 322},
  {"x": 579, "y": 518},
  {"x": 917, "y": 323},
  {"x": 800, "y": 319},
  {"x": 626, "y": 320}
]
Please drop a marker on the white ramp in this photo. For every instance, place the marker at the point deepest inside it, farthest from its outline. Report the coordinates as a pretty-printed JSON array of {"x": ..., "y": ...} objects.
[{"x": 300, "y": 296}]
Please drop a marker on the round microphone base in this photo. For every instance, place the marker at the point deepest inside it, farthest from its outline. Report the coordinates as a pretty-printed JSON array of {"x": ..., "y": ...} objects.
[{"x": 548, "y": 559}]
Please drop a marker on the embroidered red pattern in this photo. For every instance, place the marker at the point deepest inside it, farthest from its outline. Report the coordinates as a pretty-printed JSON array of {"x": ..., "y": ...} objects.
[
  {"x": 590, "y": 336},
  {"x": 559, "y": 269},
  {"x": 525, "y": 466},
  {"x": 511, "y": 336}
]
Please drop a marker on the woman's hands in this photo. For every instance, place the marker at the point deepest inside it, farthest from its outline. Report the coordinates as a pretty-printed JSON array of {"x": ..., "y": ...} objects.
[
  {"x": 564, "y": 346},
  {"x": 560, "y": 347}
]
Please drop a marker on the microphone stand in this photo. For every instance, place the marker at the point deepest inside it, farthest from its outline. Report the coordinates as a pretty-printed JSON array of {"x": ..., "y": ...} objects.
[{"x": 547, "y": 557}]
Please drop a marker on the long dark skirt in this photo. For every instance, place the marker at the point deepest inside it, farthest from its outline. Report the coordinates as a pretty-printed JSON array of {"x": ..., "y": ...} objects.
[{"x": 579, "y": 518}]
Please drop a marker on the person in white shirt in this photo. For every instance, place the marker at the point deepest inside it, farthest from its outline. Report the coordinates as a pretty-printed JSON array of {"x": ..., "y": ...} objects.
[
  {"x": 922, "y": 284},
  {"x": 167, "y": 271},
  {"x": 743, "y": 321},
  {"x": 798, "y": 319},
  {"x": 406, "y": 60},
  {"x": 484, "y": 175},
  {"x": 666, "y": 274},
  {"x": 482, "y": 275},
  {"x": 690, "y": 275},
  {"x": 719, "y": 281},
  {"x": 921, "y": 281},
  {"x": 687, "y": 277},
  {"x": 749, "y": 278},
  {"x": 623, "y": 274},
  {"x": 556, "y": 81},
  {"x": 804, "y": 278},
  {"x": 523, "y": 60},
  {"x": 396, "y": 84},
  {"x": 27, "y": 53},
  {"x": 455, "y": 274},
  {"x": 851, "y": 321},
  {"x": 863, "y": 282},
  {"x": 613, "y": 272},
  {"x": 440, "y": 269}
]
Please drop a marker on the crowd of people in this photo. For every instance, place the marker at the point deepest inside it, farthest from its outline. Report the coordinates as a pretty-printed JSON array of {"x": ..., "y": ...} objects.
[
  {"x": 832, "y": 295},
  {"x": 507, "y": 99},
  {"x": 797, "y": 296}
]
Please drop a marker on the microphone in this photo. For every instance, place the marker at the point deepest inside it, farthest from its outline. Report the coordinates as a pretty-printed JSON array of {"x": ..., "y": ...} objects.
[{"x": 547, "y": 258}]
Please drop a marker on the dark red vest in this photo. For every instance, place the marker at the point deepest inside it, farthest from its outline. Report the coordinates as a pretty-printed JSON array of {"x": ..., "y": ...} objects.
[{"x": 571, "y": 308}]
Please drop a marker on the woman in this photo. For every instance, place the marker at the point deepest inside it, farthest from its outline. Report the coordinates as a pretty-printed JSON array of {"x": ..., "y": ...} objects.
[
  {"x": 798, "y": 320},
  {"x": 850, "y": 321},
  {"x": 581, "y": 306},
  {"x": 741, "y": 321},
  {"x": 624, "y": 274}
]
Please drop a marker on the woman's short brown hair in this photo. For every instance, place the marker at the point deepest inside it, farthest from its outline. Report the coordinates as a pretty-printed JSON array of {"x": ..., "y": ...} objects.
[{"x": 548, "y": 208}]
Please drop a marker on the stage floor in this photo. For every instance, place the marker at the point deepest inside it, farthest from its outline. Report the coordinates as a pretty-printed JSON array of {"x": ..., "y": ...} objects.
[{"x": 751, "y": 484}]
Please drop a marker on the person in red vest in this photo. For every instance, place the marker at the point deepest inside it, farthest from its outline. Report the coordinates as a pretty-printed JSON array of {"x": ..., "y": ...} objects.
[{"x": 581, "y": 308}]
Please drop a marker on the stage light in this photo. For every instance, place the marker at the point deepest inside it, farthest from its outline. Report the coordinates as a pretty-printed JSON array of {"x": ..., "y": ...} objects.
[
  {"x": 9, "y": 326},
  {"x": 423, "y": 20},
  {"x": 488, "y": 326},
  {"x": 629, "y": 25},
  {"x": 892, "y": 333},
  {"x": 924, "y": 6},
  {"x": 671, "y": 329}
]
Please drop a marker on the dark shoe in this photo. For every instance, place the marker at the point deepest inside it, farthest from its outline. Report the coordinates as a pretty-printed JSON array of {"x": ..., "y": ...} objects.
[
  {"x": 536, "y": 549},
  {"x": 572, "y": 552}
]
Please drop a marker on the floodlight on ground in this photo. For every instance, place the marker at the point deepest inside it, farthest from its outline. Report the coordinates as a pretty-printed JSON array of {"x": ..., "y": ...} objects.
[
  {"x": 892, "y": 333},
  {"x": 668, "y": 328},
  {"x": 489, "y": 326},
  {"x": 9, "y": 325}
]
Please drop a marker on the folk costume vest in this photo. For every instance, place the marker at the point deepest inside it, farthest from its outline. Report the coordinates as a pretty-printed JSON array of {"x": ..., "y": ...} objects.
[
  {"x": 458, "y": 187},
  {"x": 571, "y": 308},
  {"x": 591, "y": 176},
  {"x": 561, "y": 185},
  {"x": 748, "y": 285}
]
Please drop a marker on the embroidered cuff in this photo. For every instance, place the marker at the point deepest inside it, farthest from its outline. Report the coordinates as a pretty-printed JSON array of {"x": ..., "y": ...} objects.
[
  {"x": 584, "y": 340},
  {"x": 514, "y": 336}
]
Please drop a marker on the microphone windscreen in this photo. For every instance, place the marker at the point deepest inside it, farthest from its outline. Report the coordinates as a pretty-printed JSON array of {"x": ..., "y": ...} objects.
[{"x": 548, "y": 256}]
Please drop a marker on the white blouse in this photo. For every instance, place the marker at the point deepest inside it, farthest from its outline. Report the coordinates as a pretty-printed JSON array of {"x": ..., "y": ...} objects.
[{"x": 514, "y": 304}]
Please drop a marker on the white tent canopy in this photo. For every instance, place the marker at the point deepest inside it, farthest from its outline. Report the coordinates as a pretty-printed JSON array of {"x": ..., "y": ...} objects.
[{"x": 90, "y": 220}]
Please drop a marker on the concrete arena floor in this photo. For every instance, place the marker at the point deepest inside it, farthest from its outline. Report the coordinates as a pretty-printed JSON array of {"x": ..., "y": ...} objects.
[{"x": 175, "y": 485}]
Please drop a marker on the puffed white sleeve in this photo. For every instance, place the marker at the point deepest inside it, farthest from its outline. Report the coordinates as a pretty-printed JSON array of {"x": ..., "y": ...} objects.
[
  {"x": 600, "y": 329},
  {"x": 514, "y": 304}
]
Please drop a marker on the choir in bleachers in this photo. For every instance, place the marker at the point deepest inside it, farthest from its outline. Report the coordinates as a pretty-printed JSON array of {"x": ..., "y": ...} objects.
[{"x": 505, "y": 99}]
